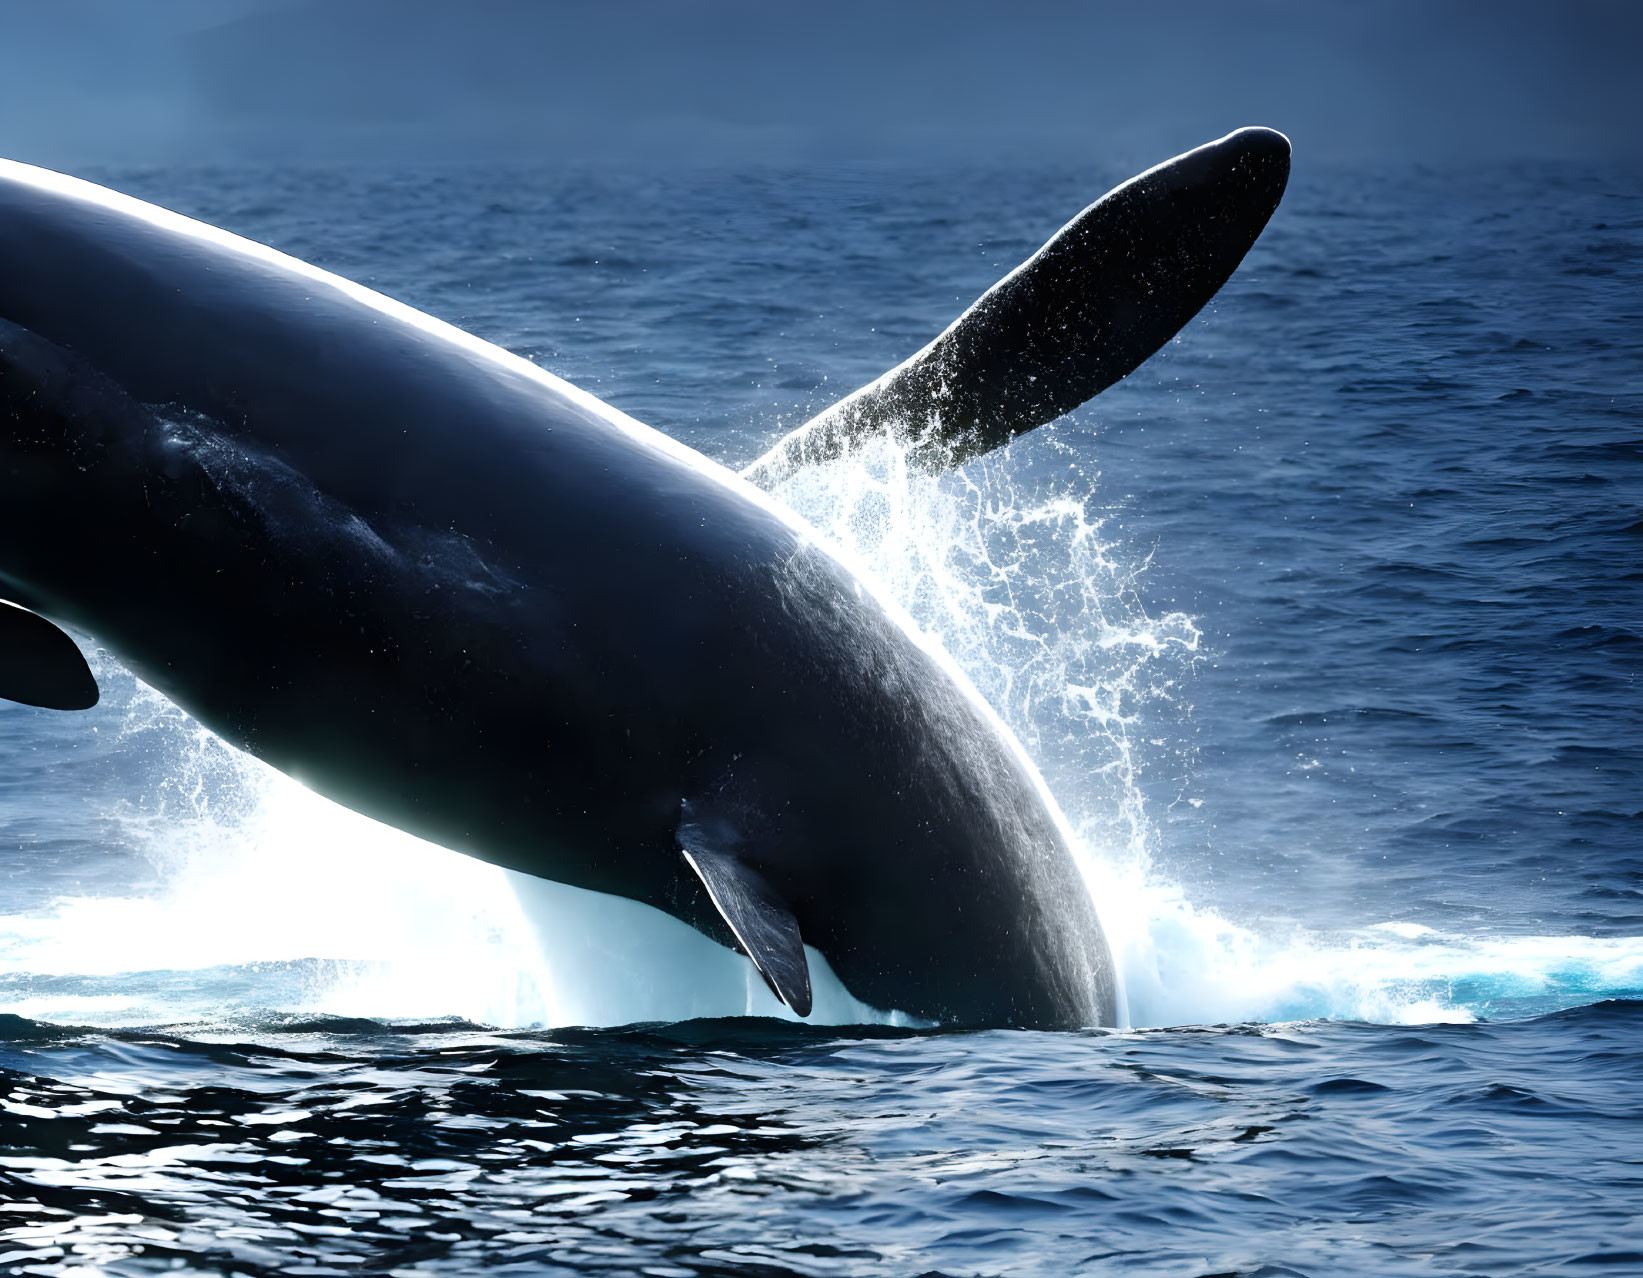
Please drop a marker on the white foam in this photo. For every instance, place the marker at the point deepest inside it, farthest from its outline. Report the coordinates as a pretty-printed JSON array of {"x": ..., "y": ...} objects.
[
  {"x": 286, "y": 901},
  {"x": 1020, "y": 580},
  {"x": 273, "y": 898}
]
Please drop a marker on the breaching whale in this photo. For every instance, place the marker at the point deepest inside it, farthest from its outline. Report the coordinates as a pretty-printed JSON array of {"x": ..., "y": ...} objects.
[{"x": 455, "y": 593}]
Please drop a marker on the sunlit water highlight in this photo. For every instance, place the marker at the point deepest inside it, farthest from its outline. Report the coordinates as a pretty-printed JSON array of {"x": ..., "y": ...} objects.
[
  {"x": 1321, "y": 627},
  {"x": 272, "y": 899}
]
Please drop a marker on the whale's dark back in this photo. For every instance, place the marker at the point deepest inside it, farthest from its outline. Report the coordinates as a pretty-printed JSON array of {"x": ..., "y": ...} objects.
[{"x": 467, "y": 599}]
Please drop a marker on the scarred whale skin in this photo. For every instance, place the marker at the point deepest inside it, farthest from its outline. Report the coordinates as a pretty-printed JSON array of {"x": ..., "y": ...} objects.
[{"x": 450, "y": 591}]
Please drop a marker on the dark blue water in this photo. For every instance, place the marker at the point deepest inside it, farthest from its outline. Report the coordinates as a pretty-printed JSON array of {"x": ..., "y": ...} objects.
[{"x": 1325, "y": 628}]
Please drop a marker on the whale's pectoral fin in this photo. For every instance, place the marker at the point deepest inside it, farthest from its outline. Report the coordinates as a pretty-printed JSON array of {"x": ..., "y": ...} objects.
[
  {"x": 1109, "y": 289},
  {"x": 763, "y": 923},
  {"x": 40, "y": 665}
]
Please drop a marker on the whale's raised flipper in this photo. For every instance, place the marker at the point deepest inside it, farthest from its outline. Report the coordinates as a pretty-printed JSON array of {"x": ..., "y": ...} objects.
[
  {"x": 40, "y": 665},
  {"x": 1108, "y": 290},
  {"x": 763, "y": 923}
]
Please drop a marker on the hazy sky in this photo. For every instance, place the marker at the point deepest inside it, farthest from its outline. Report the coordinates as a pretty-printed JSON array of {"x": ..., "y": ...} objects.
[{"x": 89, "y": 81}]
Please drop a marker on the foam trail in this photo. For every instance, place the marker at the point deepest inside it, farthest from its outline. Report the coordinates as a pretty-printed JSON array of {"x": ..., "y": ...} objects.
[
  {"x": 1189, "y": 966},
  {"x": 272, "y": 899},
  {"x": 1009, "y": 564}
]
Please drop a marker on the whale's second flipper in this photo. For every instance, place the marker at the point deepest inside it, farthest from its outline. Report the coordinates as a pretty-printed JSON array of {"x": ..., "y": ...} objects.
[
  {"x": 1108, "y": 290},
  {"x": 763, "y": 923},
  {"x": 40, "y": 665}
]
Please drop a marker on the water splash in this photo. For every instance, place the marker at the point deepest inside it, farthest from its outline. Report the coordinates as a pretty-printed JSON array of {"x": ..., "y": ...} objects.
[
  {"x": 1012, "y": 565},
  {"x": 273, "y": 899},
  {"x": 1011, "y": 568},
  {"x": 1186, "y": 965}
]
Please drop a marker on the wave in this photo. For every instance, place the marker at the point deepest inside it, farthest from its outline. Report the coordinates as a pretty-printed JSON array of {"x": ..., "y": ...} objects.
[{"x": 273, "y": 898}]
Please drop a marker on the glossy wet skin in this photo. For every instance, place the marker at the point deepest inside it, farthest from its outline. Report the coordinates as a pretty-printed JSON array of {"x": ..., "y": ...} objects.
[
  {"x": 1106, "y": 291},
  {"x": 458, "y": 595}
]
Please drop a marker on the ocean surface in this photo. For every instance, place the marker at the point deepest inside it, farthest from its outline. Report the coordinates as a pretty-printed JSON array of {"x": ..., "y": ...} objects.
[{"x": 1325, "y": 628}]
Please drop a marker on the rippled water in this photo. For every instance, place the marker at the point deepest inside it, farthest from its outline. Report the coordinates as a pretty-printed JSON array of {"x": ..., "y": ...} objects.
[
  {"x": 1324, "y": 628},
  {"x": 748, "y": 1147}
]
